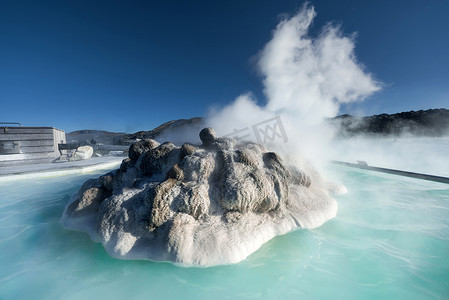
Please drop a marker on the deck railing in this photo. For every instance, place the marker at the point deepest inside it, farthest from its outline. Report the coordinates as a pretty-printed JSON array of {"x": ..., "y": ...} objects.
[{"x": 15, "y": 123}]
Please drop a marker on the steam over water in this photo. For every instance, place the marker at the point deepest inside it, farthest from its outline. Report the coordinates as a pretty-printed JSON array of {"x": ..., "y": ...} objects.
[
  {"x": 390, "y": 239},
  {"x": 306, "y": 79},
  {"x": 416, "y": 154}
]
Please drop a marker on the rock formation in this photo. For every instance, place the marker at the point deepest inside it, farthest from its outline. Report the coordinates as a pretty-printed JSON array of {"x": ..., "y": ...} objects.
[
  {"x": 210, "y": 204},
  {"x": 431, "y": 122},
  {"x": 81, "y": 153}
]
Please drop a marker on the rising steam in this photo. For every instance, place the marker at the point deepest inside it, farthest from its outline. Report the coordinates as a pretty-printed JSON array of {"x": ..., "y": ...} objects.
[{"x": 305, "y": 81}]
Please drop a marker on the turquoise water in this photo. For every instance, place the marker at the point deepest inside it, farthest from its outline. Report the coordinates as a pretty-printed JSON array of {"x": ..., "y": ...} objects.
[{"x": 390, "y": 240}]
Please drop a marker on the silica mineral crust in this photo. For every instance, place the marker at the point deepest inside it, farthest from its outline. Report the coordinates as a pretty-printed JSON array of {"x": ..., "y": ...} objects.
[{"x": 209, "y": 204}]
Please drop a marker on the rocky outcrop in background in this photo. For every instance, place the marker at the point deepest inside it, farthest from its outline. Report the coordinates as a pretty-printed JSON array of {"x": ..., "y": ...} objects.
[
  {"x": 174, "y": 131},
  {"x": 431, "y": 123},
  {"x": 207, "y": 204}
]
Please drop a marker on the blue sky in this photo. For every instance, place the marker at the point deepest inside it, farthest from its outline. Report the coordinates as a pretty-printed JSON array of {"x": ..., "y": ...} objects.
[{"x": 132, "y": 65}]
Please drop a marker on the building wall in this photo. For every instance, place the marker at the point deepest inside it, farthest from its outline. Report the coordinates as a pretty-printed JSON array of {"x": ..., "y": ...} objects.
[{"x": 19, "y": 144}]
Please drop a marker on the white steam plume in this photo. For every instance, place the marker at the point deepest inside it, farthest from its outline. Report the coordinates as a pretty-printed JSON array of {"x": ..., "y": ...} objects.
[
  {"x": 306, "y": 79},
  {"x": 311, "y": 77}
]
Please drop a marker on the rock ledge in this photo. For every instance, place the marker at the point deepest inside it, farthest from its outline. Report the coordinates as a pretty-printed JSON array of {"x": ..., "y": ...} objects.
[{"x": 207, "y": 204}]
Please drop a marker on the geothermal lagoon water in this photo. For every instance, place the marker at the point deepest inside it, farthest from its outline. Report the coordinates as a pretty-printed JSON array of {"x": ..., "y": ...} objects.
[{"x": 390, "y": 239}]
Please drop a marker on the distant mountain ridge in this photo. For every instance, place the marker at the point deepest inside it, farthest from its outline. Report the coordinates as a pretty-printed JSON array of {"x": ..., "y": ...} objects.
[
  {"x": 176, "y": 129},
  {"x": 98, "y": 136},
  {"x": 431, "y": 122}
]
